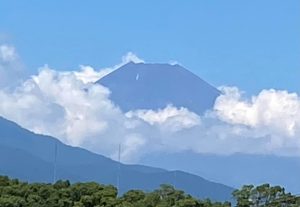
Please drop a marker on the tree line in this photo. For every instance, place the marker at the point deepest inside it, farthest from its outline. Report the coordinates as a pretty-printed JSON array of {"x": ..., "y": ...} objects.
[{"x": 14, "y": 193}]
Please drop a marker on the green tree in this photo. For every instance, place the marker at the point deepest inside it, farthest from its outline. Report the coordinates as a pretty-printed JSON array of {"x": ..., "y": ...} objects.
[{"x": 264, "y": 195}]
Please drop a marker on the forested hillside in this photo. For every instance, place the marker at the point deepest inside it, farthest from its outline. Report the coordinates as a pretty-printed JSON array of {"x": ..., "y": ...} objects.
[{"x": 14, "y": 193}]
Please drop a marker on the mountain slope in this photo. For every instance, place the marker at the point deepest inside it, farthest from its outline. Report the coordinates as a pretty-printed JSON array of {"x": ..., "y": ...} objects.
[
  {"x": 152, "y": 86},
  {"x": 234, "y": 170},
  {"x": 30, "y": 157}
]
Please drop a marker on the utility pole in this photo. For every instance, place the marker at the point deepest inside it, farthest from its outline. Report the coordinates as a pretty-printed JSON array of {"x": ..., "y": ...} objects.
[
  {"x": 119, "y": 169},
  {"x": 55, "y": 161},
  {"x": 175, "y": 178}
]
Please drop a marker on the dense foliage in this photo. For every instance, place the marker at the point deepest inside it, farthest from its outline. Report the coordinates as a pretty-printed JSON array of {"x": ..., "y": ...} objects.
[
  {"x": 265, "y": 195},
  {"x": 14, "y": 193}
]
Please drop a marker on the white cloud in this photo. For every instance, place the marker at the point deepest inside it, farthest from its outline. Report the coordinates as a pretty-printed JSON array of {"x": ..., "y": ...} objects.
[
  {"x": 59, "y": 104},
  {"x": 170, "y": 118},
  {"x": 88, "y": 74},
  {"x": 7, "y": 53},
  {"x": 130, "y": 147},
  {"x": 69, "y": 106},
  {"x": 267, "y": 123},
  {"x": 80, "y": 113},
  {"x": 10, "y": 66},
  {"x": 271, "y": 111},
  {"x": 131, "y": 57}
]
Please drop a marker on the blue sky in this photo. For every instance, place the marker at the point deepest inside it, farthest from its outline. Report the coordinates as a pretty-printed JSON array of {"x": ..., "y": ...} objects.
[{"x": 251, "y": 44}]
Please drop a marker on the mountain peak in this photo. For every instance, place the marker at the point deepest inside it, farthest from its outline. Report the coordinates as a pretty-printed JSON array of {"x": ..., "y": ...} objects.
[
  {"x": 153, "y": 86},
  {"x": 149, "y": 65}
]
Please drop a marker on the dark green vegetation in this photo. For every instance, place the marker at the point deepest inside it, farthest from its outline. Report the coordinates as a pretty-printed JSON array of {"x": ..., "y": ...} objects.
[
  {"x": 14, "y": 193},
  {"x": 28, "y": 156},
  {"x": 265, "y": 195}
]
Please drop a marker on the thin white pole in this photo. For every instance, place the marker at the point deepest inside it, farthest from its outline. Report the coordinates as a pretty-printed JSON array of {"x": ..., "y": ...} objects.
[
  {"x": 175, "y": 178},
  {"x": 119, "y": 169},
  {"x": 55, "y": 162}
]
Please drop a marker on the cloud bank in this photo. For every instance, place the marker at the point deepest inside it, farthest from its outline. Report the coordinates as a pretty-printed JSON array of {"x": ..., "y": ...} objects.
[
  {"x": 67, "y": 105},
  {"x": 10, "y": 66}
]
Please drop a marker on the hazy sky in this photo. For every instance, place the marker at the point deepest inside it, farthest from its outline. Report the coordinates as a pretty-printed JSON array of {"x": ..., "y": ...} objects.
[{"x": 250, "y": 44}]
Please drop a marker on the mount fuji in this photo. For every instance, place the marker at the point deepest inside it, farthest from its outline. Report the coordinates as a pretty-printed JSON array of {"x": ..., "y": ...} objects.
[{"x": 153, "y": 86}]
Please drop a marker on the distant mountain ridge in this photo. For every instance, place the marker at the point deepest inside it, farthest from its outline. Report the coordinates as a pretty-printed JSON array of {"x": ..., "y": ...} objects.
[
  {"x": 153, "y": 86},
  {"x": 30, "y": 156},
  {"x": 236, "y": 169}
]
